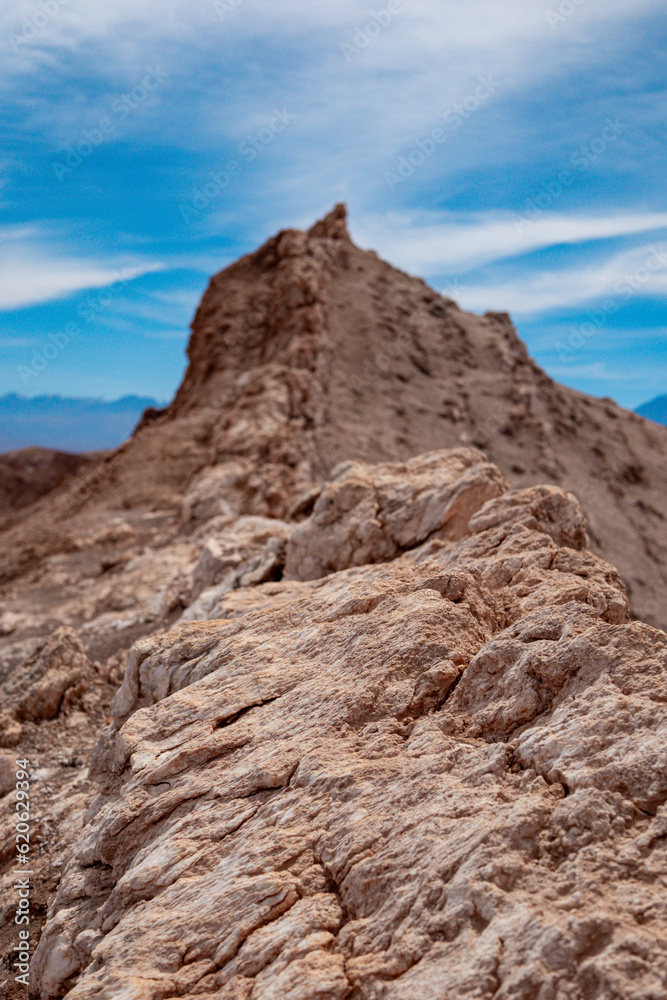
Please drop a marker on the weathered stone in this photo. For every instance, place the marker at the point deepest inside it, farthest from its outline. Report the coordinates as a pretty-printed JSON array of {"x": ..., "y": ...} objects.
[
  {"x": 251, "y": 551},
  {"x": 437, "y": 775},
  {"x": 371, "y": 514},
  {"x": 50, "y": 681},
  {"x": 542, "y": 508}
]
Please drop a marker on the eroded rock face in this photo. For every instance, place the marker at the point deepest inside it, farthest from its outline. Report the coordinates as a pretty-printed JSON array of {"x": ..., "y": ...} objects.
[
  {"x": 370, "y": 514},
  {"x": 438, "y": 773},
  {"x": 251, "y": 550}
]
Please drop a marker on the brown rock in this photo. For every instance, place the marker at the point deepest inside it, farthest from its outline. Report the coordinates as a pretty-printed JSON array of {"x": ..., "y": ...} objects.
[
  {"x": 311, "y": 352},
  {"x": 439, "y": 775},
  {"x": 251, "y": 551},
  {"x": 371, "y": 514},
  {"x": 542, "y": 508},
  {"x": 51, "y": 681},
  {"x": 30, "y": 473}
]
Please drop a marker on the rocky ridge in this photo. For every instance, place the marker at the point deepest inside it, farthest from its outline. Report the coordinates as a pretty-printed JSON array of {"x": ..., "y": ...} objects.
[
  {"x": 428, "y": 761},
  {"x": 385, "y": 728},
  {"x": 310, "y": 352},
  {"x": 30, "y": 473}
]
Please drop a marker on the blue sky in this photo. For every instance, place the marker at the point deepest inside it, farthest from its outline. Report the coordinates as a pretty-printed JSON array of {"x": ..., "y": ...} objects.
[{"x": 511, "y": 153}]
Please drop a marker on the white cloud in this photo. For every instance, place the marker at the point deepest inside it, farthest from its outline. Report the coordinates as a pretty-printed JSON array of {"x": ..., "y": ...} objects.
[
  {"x": 439, "y": 244},
  {"x": 620, "y": 277},
  {"x": 430, "y": 54},
  {"x": 431, "y": 25},
  {"x": 29, "y": 276},
  {"x": 165, "y": 314},
  {"x": 8, "y": 234}
]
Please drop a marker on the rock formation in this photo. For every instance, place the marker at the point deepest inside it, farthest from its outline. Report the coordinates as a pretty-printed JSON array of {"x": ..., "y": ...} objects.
[
  {"x": 311, "y": 352},
  {"x": 440, "y": 772},
  {"x": 369, "y": 717}
]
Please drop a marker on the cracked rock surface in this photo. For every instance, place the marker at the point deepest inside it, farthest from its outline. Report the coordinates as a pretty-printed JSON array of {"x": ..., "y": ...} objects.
[
  {"x": 440, "y": 772},
  {"x": 369, "y": 709}
]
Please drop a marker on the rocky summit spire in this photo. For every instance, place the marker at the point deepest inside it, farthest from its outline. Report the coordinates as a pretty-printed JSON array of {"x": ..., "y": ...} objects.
[{"x": 333, "y": 226}]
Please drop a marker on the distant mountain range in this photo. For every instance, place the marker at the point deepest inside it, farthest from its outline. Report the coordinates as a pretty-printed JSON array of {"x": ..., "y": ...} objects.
[
  {"x": 75, "y": 425},
  {"x": 80, "y": 425},
  {"x": 656, "y": 410}
]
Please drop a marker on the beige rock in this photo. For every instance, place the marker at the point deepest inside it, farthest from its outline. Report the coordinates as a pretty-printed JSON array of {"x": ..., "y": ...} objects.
[
  {"x": 10, "y": 621},
  {"x": 371, "y": 514},
  {"x": 251, "y": 550},
  {"x": 515, "y": 556},
  {"x": 7, "y": 772},
  {"x": 439, "y": 775},
  {"x": 542, "y": 508},
  {"x": 209, "y": 493},
  {"x": 50, "y": 681},
  {"x": 530, "y": 558}
]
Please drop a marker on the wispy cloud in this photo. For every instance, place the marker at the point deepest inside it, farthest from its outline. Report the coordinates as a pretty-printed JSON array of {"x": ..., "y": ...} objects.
[
  {"x": 25, "y": 281},
  {"x": 34, "y": 268},
  {"x": 447, "y": 243},
  {"x": 617, "y": 277},
  {"x": 11, "y": 234}
]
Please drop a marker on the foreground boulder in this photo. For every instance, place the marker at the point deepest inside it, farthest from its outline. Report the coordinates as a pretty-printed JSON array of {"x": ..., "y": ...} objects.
[
  {"x": 438, "y": 775},
  {"x": 371, "y": 514}
]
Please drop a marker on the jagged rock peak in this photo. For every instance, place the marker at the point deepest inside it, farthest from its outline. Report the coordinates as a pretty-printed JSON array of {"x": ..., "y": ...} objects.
[{"x": 333, "y": 226}]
